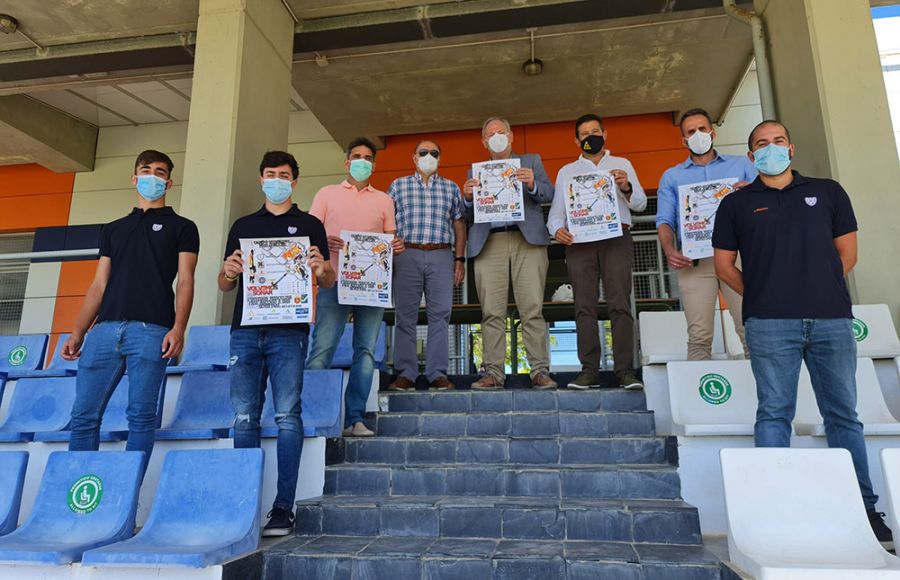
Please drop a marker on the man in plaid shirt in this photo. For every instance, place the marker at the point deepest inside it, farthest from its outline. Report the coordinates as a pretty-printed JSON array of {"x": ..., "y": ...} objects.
[{"x": 430, "y": 220}]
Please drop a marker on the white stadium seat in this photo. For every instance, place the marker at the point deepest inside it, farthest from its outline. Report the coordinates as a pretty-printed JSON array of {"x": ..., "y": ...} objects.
[
  {"x": 874, "y": 330},
  {"x": 664, "y": 337},
  {"x": 797, "y": 514},
  {"x": 712, "y": 398},
  {"x": 870, "y": 406}
]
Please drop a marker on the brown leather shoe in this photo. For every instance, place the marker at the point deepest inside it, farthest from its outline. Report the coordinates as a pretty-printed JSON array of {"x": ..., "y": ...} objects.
[
  {"x": 543, "y": 382},
  {"x": 441, "y": 384},
  {"x": 487, "y": 383},
  {"x": 402, "y": 384}
]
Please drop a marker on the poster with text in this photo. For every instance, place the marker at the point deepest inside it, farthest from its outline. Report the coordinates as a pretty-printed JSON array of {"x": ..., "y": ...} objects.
[
  {"x": 277, "y": 281},
  {"x": 365, "y": 272},
  {"x": 499, "y": 197},
  {"x": 592, "y": 207},
  {"x": 697, "y": 203}
]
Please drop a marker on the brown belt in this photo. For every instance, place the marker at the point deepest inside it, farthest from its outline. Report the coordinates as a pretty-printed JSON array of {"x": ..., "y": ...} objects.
[{"x": 428, "y": 247}]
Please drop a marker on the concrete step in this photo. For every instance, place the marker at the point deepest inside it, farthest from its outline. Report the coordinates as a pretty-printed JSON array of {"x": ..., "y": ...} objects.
[
  {"x": 545, "y": 451},
  {"x": 643, "y": 521},
  {"x": 514, "y": 423},
  {"x": 346, "y": 557},
  {"x": 560, "y": 481},
  {"x": 464, "y": 401}
]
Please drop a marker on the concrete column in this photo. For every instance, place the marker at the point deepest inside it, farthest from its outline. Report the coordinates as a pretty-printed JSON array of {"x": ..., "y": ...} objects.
[
  {"x": 830, "y": 93},
  {"x": 240, "y": 106}
]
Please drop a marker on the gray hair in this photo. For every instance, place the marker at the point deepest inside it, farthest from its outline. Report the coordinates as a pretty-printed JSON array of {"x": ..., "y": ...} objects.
[{"x": 491, "y": 120}]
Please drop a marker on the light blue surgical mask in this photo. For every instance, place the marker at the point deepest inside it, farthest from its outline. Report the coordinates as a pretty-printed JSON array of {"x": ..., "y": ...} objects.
[
  {"x": 151, "y": 187},
  {"x": 361, "y": 169},
  {"x": 772, "y": 159},
  {"x": 277, "y": 190}
]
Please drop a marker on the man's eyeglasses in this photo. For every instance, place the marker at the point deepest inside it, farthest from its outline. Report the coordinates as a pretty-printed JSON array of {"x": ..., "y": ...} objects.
[{"x": 433, "y": 152}]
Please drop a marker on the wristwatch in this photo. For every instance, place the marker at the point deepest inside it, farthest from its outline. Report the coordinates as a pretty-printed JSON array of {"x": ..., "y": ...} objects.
[{"x": 460, "y": 259}]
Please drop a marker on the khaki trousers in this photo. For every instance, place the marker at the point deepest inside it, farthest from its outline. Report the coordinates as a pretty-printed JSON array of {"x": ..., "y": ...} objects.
[
  {"x": 699, "y": 292},
  {"x": 505, "y": 256}
]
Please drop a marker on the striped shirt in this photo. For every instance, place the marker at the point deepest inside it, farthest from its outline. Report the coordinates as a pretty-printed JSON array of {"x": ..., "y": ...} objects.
[{"x": 425, "y": 214}]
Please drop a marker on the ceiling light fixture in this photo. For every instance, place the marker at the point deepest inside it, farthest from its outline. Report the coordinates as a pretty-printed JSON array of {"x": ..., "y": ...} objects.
[
  {"x": 8, "y": 24},
  {"x": 532, "y": 66}
]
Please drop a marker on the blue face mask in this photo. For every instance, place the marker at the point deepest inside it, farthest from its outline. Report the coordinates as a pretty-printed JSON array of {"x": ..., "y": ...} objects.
[
  {"x": 151, "y": 187},
  {"x": 772, "y": 159},
  {"x": 277, "y": 190},
  {"x": 361, "y": 169}
]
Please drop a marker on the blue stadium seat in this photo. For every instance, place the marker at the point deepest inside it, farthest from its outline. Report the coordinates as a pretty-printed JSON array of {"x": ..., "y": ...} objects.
[
  {"x": 114, "y": 425},
  {"x": 203, "y": 409},
  {"x": 343, "y": 356},
  {"x": 207, "y": 348},
  {"x": 203, "y": 513},
  {"x": 87, "y": 499},
  {"x": 38, "y": 405},
  {"x": 21, "y": 354},
  {"x": 58, "y": 366},
  {"x": 12, "y": 480},
  {"x": 322, "y": 401}
]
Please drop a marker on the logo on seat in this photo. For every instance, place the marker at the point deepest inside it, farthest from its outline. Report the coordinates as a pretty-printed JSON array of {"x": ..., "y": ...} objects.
[
  {"x": 714, "y": 388},
  {"x": 17, "y": 355},
  {"x": 85, "y": 494},
  {"x": 860, "y": 330}
]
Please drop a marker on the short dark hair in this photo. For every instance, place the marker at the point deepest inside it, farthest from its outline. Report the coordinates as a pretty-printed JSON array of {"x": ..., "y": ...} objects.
[
  {"x": 763, "y": 124},
  {"x": 436, "y": 144},
  {"x": 586, "y": 119},
  {"x": 692, "y": 113},
  {"x": 151, "y": 156},
  {"x": 361, "y": 141},
  {"x": 277, "y": 159}
]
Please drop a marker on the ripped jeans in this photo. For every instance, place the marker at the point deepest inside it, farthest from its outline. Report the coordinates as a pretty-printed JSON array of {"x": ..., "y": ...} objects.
[{"x": 258, "y": 354}]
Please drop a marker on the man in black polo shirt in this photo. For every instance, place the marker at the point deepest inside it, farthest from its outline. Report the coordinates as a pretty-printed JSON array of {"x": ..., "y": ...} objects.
[
  {"x": 797, "y": 239},
  {"x": 137, "y": 328},
  {"x": 275, "y": 351}
]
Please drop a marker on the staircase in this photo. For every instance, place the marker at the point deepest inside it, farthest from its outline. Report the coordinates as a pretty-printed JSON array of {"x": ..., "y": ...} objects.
[{"x": 517, "y": 484}]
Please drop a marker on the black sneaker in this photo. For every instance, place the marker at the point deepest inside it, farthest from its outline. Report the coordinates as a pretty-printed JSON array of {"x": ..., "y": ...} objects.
[
  {"x": 882, "y": 532},
  {"x": 629, "y": 380},
  {"x": 281, "y": 522},
  {"x": 584, "y": 380}
]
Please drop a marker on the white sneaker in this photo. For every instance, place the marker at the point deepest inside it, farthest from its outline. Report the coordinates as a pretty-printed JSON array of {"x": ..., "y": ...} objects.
[{"x": 358, "y": 429}]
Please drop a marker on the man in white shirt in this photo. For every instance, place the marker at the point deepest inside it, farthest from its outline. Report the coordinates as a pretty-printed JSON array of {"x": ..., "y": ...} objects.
[{"x": 609, "y": 260}]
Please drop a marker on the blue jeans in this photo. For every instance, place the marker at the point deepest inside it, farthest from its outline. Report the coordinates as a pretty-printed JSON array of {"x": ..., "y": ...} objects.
[
  {"x": 109, "y": 349},
  {"x": 777, "y": 348},
  {"x": 256, "y": 355},
  {"x": 330, "y": 320}
]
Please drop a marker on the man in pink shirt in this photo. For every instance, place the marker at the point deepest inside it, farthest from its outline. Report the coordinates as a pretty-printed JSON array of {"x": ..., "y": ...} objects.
[{"x": 352, "y": 205}]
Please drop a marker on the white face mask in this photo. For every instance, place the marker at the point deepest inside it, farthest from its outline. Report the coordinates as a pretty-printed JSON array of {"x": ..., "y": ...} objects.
[
  {"x": 498, "y": 142},
  {"x": 700, "y": 143},
  {"x": 427, "y": 164}
]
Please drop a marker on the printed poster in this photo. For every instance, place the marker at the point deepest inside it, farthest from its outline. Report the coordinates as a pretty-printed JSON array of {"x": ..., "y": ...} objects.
[
  {"x": 697, "y": 204},
  {"x": 592, "y": 207},
  {"x": 499, "y": 197},
  {"x": 365, "y": 272},
  {"x": 277, "y": 281}
]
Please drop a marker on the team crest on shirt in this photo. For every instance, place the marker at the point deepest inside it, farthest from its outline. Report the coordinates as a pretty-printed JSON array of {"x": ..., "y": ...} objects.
[
  {"x": 811, "y": 201},
  {"x": 292, "y": 230},
  {"x": 157, "y": 227}
]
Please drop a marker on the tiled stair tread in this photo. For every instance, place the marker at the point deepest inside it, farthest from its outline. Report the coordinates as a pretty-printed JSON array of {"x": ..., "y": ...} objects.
[
  {"x": 498, "y": 501},
  {"x": 486, "y": 548},
  {"x": 524, "y": 400},
  {"x": 555, "y": 468}
]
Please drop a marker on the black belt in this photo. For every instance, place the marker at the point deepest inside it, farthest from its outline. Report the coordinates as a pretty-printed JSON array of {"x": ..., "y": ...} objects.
[{"x": 505, "y": 229}]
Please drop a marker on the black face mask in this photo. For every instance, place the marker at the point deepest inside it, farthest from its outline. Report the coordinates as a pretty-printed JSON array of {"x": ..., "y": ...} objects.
[{"x": 592, "y": 144}]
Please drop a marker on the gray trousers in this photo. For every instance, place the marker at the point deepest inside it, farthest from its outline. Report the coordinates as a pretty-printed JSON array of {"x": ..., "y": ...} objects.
[{"x": 415, "y": 272}]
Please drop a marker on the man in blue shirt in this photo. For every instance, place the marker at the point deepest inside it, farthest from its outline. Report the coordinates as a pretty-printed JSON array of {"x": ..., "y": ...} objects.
[
  {"x": 697, "y": 282},
  {"x": 430, "y": 217},
  {"x": 797, "y": 240}
]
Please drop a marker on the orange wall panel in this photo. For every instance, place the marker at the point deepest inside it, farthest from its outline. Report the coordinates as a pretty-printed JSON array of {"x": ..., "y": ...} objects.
[
  {"x": 32, "y": 179},
  {"x": 76, "y": 277},
  {"x": 66, "y": 313},
  {"x": 29, "y": 212}
]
